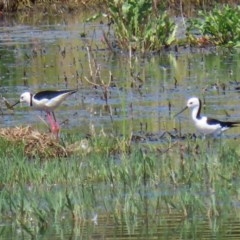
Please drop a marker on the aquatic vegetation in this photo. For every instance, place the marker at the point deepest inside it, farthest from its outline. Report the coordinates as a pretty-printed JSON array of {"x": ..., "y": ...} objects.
[
  {"x": 220, "y": 26},
  {"x": 120, "y": 177},
  {"x": 139, "y": 26}
]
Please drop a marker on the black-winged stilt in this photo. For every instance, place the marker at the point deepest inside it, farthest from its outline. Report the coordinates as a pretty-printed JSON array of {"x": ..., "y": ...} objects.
[
  {"x": 206, "y": 125},
  {"x": 46, "y": 101}
]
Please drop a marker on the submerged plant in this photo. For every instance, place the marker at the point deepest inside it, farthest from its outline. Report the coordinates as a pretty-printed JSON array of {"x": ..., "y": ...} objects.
[{"x": 221, "y": 26}]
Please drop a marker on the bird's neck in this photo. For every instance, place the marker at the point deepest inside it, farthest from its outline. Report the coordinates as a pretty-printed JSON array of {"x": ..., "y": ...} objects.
[
  {"x": 196, "y": 113},
  {"x": 31, "y": 102}
]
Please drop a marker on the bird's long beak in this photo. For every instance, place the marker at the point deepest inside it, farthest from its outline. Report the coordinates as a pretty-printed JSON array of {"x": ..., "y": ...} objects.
[
  {"x": 15, "y": 104},
  {"x": 181, "y": 111}
]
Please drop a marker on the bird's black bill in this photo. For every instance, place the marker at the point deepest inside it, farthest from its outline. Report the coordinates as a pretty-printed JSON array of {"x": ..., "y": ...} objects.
[
  {"x": 8, "y": 105},
  {"x": 181, "y": 111},
  {"x": 15, "y": 104}
]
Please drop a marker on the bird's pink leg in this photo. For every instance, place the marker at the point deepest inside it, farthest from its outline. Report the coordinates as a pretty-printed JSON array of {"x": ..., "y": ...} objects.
[{"x": 55, "y": 127}]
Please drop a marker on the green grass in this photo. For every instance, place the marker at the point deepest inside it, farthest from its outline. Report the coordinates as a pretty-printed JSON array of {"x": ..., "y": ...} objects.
[{"x": 192, "y": 178}]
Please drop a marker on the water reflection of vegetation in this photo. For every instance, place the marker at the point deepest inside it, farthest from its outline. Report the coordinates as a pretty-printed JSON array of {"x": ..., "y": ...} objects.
[{"x": 128, "y": 181}]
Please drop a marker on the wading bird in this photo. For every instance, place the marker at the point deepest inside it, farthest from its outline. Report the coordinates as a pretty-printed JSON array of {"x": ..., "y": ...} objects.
[
  {"x": 46, "y": 101},
  {"x": 206, "y": 125}
]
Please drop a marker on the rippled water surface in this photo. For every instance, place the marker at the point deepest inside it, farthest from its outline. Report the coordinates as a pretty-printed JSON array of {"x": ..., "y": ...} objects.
[{"x": 143, "y": 93}]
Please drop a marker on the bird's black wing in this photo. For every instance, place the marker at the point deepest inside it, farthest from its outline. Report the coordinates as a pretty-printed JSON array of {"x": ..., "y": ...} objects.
[
  {"x": 49, "y": 94},
  {"x": 213, "y": 121}
]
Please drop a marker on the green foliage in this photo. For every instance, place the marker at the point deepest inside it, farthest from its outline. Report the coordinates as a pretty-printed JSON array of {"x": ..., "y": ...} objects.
[
  {"x": 125, "y": 179},
  {"x": 221, "y": 25},
  {"x": 139, "y": 26}
]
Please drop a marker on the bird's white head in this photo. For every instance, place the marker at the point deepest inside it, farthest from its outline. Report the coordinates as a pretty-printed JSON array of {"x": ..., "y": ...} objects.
[
  {"x": 26, "y": 97},
  {"x": 193, "y": 102}
]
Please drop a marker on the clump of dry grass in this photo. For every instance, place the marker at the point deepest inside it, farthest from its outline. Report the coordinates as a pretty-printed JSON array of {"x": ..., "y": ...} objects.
[{"x": 36, "y": 144}]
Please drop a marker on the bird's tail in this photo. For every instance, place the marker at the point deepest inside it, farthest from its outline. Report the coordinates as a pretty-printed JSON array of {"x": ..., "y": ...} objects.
[{"x": 232, "y": 124}]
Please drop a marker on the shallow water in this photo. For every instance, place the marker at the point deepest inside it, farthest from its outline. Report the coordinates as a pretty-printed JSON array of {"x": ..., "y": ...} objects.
[
  {"x": 55, "y": 56},
  {"x": 143, "y": 95}
]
